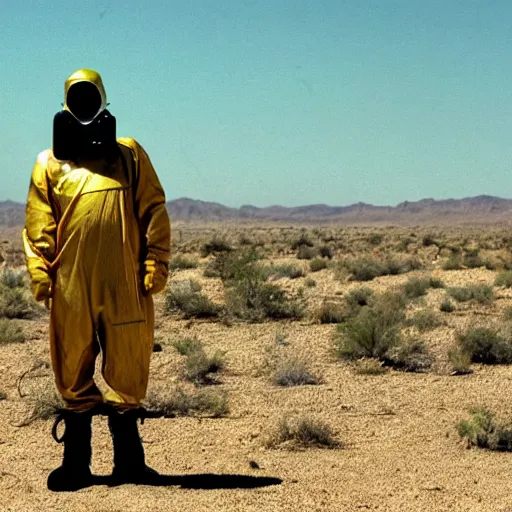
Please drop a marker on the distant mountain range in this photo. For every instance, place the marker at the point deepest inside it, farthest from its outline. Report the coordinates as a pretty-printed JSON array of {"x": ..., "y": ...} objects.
[{"x": 481, "y": 210}]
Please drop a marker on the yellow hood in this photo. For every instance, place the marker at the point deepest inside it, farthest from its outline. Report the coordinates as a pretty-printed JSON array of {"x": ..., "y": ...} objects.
[{"x": 86, "y": 75}]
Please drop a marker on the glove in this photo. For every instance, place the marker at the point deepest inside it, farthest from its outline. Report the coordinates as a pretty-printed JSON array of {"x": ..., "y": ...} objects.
[
  {"x": 149, "y": 277},
  {"x": 43, "y": 292},
  {"x": 155, "y": 277}
]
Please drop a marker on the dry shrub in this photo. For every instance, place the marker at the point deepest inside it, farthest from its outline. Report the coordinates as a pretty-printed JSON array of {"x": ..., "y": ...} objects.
[
  {"x": 180, "y": 262},
  {"x": 425, "y": 320},
  {"x": 184, "y": 297},
  {"x": 485, "y": 345},
  {"x": 483, "y": 431},
  {"x": 178, "y": 402},
  {"x": 292, "y": 371},
  {"x": 331, "y": 313},
  {"x": 11, "y": 332},
  {"x": 317, "y": 264},
  {"x": 301, "y": 432},
  {"x": 481, "y": 293}
]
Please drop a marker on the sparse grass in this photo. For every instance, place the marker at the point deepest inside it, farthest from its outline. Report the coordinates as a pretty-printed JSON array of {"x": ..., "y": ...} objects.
[
  {"x": 454, "y": 262},
  {"x": 485, "y": 345},
  {"x": 481, "y": 293},
  {"x": 326, "y": 251},
  {"x": 253, "y": 301},
  {"x": 302, "y": 432},
  {"x": 367, "y": 269},
  {"x": 410, "y": 356},
  {"x": 186, "y": 346},
  {"x": 178, "y": 402},
  {"x": 425, "y": 320},
  {"x": 507, "y": 314},
  {"x": 290, "y": 271},
  {"x": 358, "y": 297},
  {"x": 446, "y": 306},
  {"x": 460, "y": 361},
  {"x": 416, "y": 287},
  {"x": 292, "y": 371},
  {"x": 12, "y": 278},
  {"x": 303, "y": 240},
  {"x": 17, "y": 303},
  {"x": 199, "y": 366},
  {"x": 180, "y": 262},
  {"x": 306, "y": 253},
  {"x": 317, "y": 264},
  {"x": 331, "y": 313},
  {"x": 472, "y": 259},
  {"x": 181, "y": 297},
  {"x": 373, "y": 331},
  {"x": 11, "y": 332},
  {"x": 483, "y": 431},
  {"x": 215, "y": 245},
  {"x": 369, "y": 367},
  {"x": 504, "y": 279}
]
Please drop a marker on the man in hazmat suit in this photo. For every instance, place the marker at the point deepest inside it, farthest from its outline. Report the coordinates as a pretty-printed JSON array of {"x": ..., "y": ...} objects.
[{"x": 97, "y": 244}]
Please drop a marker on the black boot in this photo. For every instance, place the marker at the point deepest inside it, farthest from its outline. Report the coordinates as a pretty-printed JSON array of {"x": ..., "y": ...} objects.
[
  {"x": 75, "y": 472},
  {"x": 129, "y": 461}
]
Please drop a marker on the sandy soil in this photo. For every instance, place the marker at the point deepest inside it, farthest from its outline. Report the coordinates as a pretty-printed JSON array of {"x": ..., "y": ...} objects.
[{"x": 400, "y": 452}]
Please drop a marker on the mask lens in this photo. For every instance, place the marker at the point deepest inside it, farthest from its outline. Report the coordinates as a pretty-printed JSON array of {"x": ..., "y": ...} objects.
[{"x": 84, "y": 101}]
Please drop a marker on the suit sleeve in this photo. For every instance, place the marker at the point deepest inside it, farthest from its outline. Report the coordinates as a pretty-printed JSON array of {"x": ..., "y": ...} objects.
[
  {"x": 39, "y": 235},
  {"x": 153, "y": 217}
]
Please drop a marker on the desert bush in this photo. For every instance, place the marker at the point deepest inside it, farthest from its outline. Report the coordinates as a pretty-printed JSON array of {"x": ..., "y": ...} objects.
[
  {"x": 366, "y": 269},
  {"x": 507, "y": 314},
  {"x": 331, "y": 313},
  {"x": 236, "y": 266},
  {"x": 416, "y": 287},
  {"x": 186, "y": 346},
  {"x": 302, "y": 432},
  {"x": 411, "y": 356},
  {"x": 447, "y": 306},
  {"x": 181, "y": 297},
  {"x": 454, "y": 262},
  {"x": 396, "y": 266},
  {"x": 310, "y": 283},
  {"x": 425, "y": 320},
  {"x": 292, "y": 371},
  {"x": 483, "y": 431},
  {"x": 12, "y": 278},
  {"x": 317, "y": 264},
  {"x": 504, "y": 279},
  {"x": 481, "y": 293},
  {"x": 17, "y": 303},
  {"x": 204, "y": 402},
  {"x": 253, "y": 301},
  {"x": 180, "y": 262},
  {"x": 290, "y": 271},
  {"x": 460, "y": 361},
  {"x": 11, "y": 332},
  {"x": 369, "y": 367},
  {"x": 485, "y": 345},
  {"x": 200, "y": 366},
  {"x": 472, "y": 259},
  {"x": 326, "y": 251},
  {"x": 306, "y": 253},
  {"x": 428, "y": 240},
  {"x": 358, "y": 297},
  {"x": 215, "y": 245},
  {"x": 436, "y": 283},
  {"x": 375, "y": 239},
  {"x": 303, "y": 240},
  {"x": 373, "y": 331}
]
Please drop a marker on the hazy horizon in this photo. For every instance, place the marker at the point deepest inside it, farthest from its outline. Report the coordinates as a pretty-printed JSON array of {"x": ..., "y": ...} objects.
[{"x": 276, "y": 103}]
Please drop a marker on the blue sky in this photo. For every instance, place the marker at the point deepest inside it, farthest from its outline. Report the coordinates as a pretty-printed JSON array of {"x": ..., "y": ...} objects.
[{"x": 275, "y": 101}]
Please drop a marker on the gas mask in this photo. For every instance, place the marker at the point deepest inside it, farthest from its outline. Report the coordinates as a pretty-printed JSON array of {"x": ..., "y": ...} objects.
[{"x": 84, "y": 129}]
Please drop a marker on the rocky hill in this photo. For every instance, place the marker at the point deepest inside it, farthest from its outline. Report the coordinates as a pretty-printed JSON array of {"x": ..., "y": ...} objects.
[{"x": 480, "y": 209}]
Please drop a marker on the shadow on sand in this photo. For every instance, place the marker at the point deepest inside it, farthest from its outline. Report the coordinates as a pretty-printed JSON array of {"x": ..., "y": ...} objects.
[{"x": 204, "y": 481}]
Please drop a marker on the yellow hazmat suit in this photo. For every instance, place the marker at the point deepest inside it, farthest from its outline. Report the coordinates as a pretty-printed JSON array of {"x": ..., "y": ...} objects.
[{"x": 97, "y": 243}]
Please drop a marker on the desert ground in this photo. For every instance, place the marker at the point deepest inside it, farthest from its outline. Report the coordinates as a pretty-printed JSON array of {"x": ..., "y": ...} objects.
[{"x": 243, "y": 353}]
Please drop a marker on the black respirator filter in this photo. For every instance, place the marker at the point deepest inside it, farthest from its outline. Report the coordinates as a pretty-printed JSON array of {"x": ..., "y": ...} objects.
[{"x": 73, "y": 140}]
